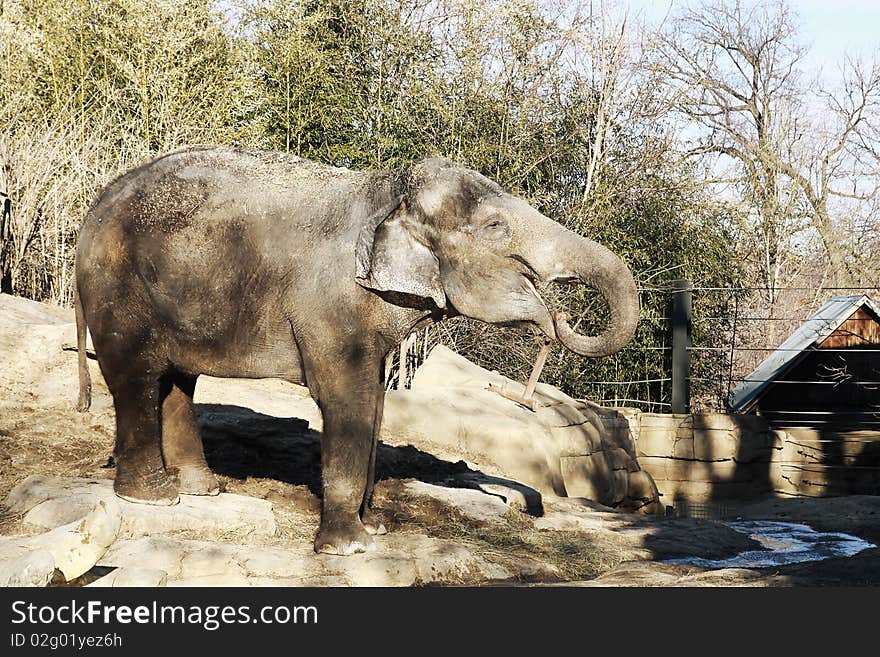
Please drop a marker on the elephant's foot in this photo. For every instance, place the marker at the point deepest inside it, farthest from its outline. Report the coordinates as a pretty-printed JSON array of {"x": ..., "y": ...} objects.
[
  {"x": 372, "y": 524},
  {"x": 196, "y": 480},
  {"x": 343, "y": 538},
  {"x": 154, "y": 488}
]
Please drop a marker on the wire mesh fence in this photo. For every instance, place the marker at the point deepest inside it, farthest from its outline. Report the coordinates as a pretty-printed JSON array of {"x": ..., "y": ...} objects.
[
  {"x": 731, "y": 331},
  {"x": 800, "y": 355}
]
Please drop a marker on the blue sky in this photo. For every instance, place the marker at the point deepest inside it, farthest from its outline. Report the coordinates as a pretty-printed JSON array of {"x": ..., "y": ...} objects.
[{"x": 830, "y": 27}]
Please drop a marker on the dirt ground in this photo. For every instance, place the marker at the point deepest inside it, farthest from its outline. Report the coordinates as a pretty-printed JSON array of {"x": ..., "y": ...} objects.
[{"x": 262, "y": 439}]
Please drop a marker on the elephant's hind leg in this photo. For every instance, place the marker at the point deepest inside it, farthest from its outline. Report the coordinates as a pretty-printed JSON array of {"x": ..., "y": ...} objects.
[{"x": 181, "y": 443}]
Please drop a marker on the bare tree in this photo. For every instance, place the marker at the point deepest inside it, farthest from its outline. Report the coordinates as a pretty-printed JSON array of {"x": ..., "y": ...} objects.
[
  {"x": 612, "y": 67},
  {"x": 800, "y": 157}
]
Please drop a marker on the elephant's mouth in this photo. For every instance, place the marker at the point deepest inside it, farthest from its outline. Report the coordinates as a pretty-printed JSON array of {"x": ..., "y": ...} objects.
[
  {"x": 528, "y": 271},
  {"x": 531, "y": 277},
  {"x": 551, "y": 322},
  {"x": 542, "y": 322},
  {"x": 615, "y": 284}
]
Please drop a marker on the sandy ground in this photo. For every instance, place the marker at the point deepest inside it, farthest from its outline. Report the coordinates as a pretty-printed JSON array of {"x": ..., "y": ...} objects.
[{"x": 262, "y": 439}]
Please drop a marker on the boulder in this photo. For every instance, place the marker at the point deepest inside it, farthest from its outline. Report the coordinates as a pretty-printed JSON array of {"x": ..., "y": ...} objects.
[
  {"x": 514, "y": 494},
  {"x": 153, "y": 553},
  {"x": 443, "y": 368},
  {"x": 589, "y": 476},
  {"x": 18, "y": 311},
  {"x": 78, "y": 545},
  {"x": 619, "y": 484},
  {"x": 48, "y": 502},
  {"x": 472, "y": 422},
  {"x": 563, "y": 447},
  {"x": 132, "y": 576},
  {"x": 651, "y": 574},
  {"x": 74, "y": 547},
  {"x": 232, "y": 578},
  {"x": 618, "y": 459},
  {"x": 400, "y": 560},
  {"x": 474, "y": 504},
  {"x": 29, "y": 568},
  {"x": 642, "y": 494}
]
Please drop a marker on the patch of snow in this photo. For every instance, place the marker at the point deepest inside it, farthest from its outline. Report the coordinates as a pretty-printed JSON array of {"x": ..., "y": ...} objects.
[{"x": 784, "y": 543}]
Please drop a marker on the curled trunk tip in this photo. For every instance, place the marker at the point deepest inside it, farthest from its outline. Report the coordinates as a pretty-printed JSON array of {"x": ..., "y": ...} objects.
[{"x": 610, "y": 276}]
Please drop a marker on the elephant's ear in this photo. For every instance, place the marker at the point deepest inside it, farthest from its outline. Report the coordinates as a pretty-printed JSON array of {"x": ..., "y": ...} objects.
[{"x": 391, "y": 259}]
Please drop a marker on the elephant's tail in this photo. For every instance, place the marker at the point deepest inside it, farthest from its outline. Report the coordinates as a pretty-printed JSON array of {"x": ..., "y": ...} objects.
[{"x": 85, "y": 380}]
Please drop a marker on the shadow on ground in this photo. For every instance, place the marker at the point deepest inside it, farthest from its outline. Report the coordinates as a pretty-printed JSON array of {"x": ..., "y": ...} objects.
[{"x": 242, "y": 443}]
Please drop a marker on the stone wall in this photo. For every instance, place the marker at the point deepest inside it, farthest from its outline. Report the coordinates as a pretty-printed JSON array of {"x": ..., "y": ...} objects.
[
  {"x": 714, "y": 457},
  {"x": 615, "y": 456}
]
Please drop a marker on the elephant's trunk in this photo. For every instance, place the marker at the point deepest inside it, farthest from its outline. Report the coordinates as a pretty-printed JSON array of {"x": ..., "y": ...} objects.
[{"x": 580, "y": 260}]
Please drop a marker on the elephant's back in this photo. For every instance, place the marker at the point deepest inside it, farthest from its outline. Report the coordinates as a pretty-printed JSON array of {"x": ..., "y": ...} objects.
[
  {"x": 200, "y": 195},
  {"x": 211, "y": 184}
]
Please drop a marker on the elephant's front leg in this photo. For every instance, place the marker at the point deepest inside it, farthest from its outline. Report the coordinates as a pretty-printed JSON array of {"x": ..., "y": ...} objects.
[{"x": 349, "y": 404}]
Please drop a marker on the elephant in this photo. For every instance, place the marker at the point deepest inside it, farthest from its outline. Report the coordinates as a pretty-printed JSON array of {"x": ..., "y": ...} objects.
[{"x": 259, "y": 264}]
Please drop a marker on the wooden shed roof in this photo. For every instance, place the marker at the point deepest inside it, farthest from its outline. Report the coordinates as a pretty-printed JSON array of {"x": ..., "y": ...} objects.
[{"x": 812, "y": 333}]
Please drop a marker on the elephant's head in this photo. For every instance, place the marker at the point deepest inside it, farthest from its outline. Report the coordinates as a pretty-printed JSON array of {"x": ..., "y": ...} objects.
[{"x": 453, "y": 236}]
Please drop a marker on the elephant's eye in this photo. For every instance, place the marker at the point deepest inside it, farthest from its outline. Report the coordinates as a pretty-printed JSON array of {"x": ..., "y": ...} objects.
[{"x": 495, "y": 228}]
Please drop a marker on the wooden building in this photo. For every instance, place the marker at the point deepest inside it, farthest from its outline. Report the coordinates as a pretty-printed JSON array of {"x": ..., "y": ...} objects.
[{"x": 826, "y": 375}]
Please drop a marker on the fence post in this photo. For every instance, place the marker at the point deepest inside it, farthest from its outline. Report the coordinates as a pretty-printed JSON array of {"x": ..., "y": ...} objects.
[
  {"x": 402, "y": 364},
  {"x": 6, "y": 255},
  {"x": 682, "y": 292}
]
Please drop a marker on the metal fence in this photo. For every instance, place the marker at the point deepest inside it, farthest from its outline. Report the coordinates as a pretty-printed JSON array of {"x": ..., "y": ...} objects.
[
  {"x": 402, "y": 363},
  {"x": 714, "y": 352},
  {"x": 694, "y": 345}
]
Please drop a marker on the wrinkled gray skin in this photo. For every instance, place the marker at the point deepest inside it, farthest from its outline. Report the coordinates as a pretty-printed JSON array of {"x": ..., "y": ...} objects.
[{"x": 260, "y": 264}]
